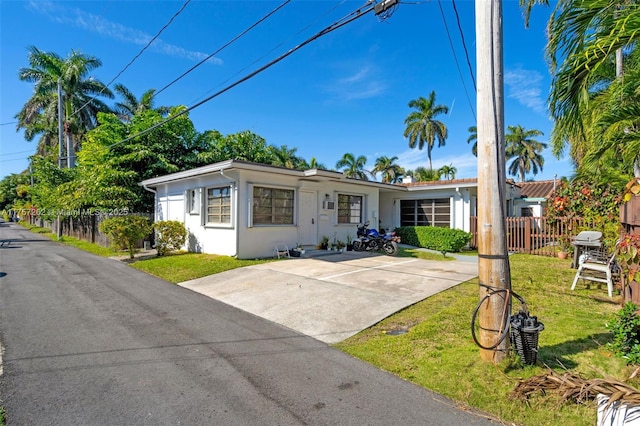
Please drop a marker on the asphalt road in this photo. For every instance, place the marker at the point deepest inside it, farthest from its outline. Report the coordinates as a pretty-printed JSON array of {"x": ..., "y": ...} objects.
[{"x": 91, "y": 341}]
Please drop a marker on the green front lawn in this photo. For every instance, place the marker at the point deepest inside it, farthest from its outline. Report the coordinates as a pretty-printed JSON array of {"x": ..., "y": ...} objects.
[
  {"x": 438, "y": 351},
  {"x": 181, "y": 267}
]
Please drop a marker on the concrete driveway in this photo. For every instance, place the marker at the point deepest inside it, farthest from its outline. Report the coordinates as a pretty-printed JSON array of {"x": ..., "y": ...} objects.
[{"x": 333, "y": 297}]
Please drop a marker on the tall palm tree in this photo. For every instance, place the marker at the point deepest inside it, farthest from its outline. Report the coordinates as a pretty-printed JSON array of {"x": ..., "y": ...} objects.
[
  {"x": 448, "y": 172},
  {"x": 132, "y": 105},
  {"x": 473, "y": 137},
  {"x": 353, "y": 167},
  {"x": 422, "y": 127},
  {"x": 390, "y": 172},
  {"x": 524, "y": 150},
  {"x": 527, "y": 5},
  {"x": 79, "y": 95}
]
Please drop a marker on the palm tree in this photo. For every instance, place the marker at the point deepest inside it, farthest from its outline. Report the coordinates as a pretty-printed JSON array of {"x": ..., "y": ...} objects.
[
  {"x": 80, "y": 104},
  {"x": 131, "y": 105},
  {"x": 448, "y": 172},
  {"x": 422, "y": 127},
  {"x": 527, "y": 5},
  {"x": 284, "y": 157},
  {"x": 524, "y": 150},
  {"x": 584, "y": 35},
  {"x": 391, "y": 172},
  {"x": 473, "y": 137},
  {"x": 353, "y": 167},
  {"x": 313, "y": 164},
  {"x": 421, "y": 174},
  {"x": 616, "y": 128}
]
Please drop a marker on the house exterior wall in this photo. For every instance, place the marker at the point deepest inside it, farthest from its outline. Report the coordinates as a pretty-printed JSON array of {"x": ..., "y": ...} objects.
[
  {"x": 259, "y": 241},
  {"x": 184, "y": 197},
  {"x": 536, "y": 206},
  {"x": 171, "y": 204},
  {"x": 389, "y": 211},
  {"x": 244, "y": 239},
  {"x": 462, "y": 205}
]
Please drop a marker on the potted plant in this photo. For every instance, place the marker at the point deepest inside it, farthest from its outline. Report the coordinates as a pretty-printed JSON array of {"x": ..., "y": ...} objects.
[
  {"x": 334, "y": 243},
  {"x": 349, "y": 239},
  {"x": 297, "y": 251},
  {"x": 340, "y": 245},
  {"x": 324, "y": 243},
  {"x": 564, "y": 246}
]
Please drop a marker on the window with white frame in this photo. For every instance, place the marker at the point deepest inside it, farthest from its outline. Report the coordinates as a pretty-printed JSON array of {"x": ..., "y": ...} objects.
[
  {"x": 428, "y": 212},
  {"x": 272, "y": 206},
  {"x": 219, "y": 205},
  {"x": 349, "y": 208},
  {"x": 193, "y": 201}
]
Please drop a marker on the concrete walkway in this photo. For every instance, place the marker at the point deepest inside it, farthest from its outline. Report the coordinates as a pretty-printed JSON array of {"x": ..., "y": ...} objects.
[{"x": 334, "y": 296}]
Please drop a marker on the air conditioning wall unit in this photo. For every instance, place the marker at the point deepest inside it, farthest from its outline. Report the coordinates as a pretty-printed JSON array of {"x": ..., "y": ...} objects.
[{"x": 328, "y": 205}]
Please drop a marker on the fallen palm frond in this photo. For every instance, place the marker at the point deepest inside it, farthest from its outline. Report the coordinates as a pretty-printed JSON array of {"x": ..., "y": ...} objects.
[{"x": 571, "y": 387}]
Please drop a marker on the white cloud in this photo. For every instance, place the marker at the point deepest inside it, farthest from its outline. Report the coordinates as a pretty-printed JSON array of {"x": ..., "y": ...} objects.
[
  {"x": 525, "y": 86},
  {"x": 97, "y": 24},
  {"x": 357, "y": 77},
  {"x": 360, "y": 84}
]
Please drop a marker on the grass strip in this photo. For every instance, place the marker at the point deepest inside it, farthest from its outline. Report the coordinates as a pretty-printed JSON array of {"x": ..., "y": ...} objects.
[
  {"x": 438, "y": 352},
  {"x": 181, "y": 267}
]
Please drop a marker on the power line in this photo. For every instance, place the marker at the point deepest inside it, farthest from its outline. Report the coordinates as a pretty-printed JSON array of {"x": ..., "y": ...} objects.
[
  {"x": 175, "y": 15},
  {"x": 456, "y": 60},
  {"x": 14, "y": 153},
  {"x": 271, "y": 50},
  {"x": 13, "y": 159},
  {"x": 224, "y": 46},
  {"x": 368, "y": 7},
  {"x": 464, "y": 44},
  {"x": 7, "y": 123}
]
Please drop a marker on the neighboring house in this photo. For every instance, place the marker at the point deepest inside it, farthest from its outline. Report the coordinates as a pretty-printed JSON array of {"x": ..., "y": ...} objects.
[
  {"x": 533, "y": 198},
  {"x": 244, "y": 209}
]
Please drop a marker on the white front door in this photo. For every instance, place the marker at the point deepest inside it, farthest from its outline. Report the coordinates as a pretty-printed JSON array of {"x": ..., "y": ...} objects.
[{"x": 307, "y": 219}]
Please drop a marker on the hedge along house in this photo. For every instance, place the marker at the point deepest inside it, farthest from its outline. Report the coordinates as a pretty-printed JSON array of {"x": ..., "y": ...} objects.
[{"x": 244, "y": 209}]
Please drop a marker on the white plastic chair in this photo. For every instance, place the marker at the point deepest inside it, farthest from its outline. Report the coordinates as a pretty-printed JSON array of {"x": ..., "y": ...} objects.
[
  {"x": 596, "y": 267},
  {"x": 281, "y": 250}
]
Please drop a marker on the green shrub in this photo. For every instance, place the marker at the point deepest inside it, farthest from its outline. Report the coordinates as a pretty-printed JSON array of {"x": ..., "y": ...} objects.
[
  {"x": 626, "y": 334},
  {"x": 125, "y": 231},
  {"x": 430, "y": 237},
  {"x": 170, "y": 236}
]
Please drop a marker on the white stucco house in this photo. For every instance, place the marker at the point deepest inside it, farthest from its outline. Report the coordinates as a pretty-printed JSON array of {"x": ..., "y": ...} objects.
[{"x": 244, "y": 209}]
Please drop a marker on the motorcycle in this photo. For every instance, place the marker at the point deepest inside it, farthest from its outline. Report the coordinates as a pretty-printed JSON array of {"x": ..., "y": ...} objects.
[{"x": 372, "y": 240}]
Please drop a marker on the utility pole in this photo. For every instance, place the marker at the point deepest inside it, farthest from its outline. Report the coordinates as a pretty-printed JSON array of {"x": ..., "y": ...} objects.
[
  {"x": 60, "y": 151},
  {"x": 493, "y": 261}
]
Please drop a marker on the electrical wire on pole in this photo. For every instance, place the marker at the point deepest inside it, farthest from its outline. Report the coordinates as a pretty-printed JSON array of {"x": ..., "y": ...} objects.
[
  {"x": 233, "y": 40},
  {"x": 358, "y": 13},
  {"x": 164, "y": 27}
]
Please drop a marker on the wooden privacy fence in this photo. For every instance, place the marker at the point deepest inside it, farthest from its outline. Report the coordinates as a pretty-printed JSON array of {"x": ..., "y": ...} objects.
[
  {"x": 534, "y": 235},
  {"x": 84, "y": 227}
]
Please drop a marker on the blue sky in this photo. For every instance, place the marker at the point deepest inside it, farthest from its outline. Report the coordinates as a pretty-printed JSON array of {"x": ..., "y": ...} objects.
[{"x": 345, "y": 92}]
